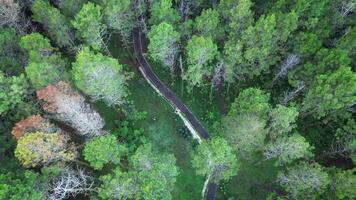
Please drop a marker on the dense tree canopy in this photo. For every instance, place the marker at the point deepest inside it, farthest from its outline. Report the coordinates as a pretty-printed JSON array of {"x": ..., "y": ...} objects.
[
  {"x": 100, "y": 77},
  {"x": 263, "y": 97}
]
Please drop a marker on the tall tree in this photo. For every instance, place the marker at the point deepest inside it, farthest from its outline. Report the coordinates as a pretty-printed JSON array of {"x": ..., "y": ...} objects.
[
  {"x": 156, "y": 172},
  {"x": 89, "y": 25},
  {"x": 257, "y": 48},
  {"x": 11, "y": 57},
  {"x": 288, "y": 149},
  {"x": 100, "y": 77},
  {"x": 69, "y": 8},
  {"x": 39, "y": 148},
  {"x": 102, "y": 150},
  {"x": 304, "y": 181},
  {"x": 201, "y": 52},
  {"x": 245, "y": 133},
  {"x": 55, "y": 23},
  {"x": 241, "y": 17},
  {"x": 344, "y": 181},
  {"x": 251, "y": 101},
  {"x": 282, "y": 120},
  {"x": 162, "y": 11},
  {"x": 331, "y": 92},
  {"x": 66, "y": 105},
  {"x": 215, "y": 158},
  {"x": 12, "y": 92},
  {"x": 45, "y": 66},
  {"x": 164, "y": 44},
  {"x": 119, "y": 185},
  {"x": 120, "y": 17},
  {"x": 19, "y": 184},
  {"x": 207, "y": 23}
]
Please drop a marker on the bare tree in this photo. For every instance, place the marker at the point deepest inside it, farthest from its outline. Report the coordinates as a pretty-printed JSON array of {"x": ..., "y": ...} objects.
[
  {"x": 218, "y": 75},
  {"x": 288, "y": 96},
  {"x": 347, "y": 6},
  {"x": 342, "y": 147},
  {"x": 68, "y": 106},
  {"x": 70, "y": 183},
  {"x": 11, "y": 16},
  {"x": 291, "y": 61}
]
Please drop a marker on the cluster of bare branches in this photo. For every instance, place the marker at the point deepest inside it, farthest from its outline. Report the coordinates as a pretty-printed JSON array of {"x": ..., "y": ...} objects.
[
  {"x": 70, "y": 183},
  {"x": 68, "y": 106},
  {"x": 347, "y": 7},
  {"x": 291, "y": 61},
  {"x": 218, "y": 75},
  {"x": 290, "y": 95},
  {"x": 11, "y": 16}
]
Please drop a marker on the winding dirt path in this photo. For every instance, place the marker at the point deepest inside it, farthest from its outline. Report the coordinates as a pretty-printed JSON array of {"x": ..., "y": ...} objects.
[{"x": 182, "y": 110}]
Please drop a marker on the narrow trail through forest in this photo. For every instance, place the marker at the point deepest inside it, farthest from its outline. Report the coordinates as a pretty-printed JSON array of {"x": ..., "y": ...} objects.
[{"x": 182, "y": 110}]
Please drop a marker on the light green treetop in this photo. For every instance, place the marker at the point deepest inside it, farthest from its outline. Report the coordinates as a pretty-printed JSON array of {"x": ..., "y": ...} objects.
[
  {"x": 331, "y": 92},
  {"x": 100, "y": 77},
  {"x": 215, "y": 158},
  {"x": 207, "y": 23},
  {"x": 288, "y": 149},
  {"x": 89, "y": 26},
  {"x": 163, "y": 11},
  {"x": 201, "y": 51},
  {"x": 163, "y": 46},
  {"x": 102, "y": 150}
]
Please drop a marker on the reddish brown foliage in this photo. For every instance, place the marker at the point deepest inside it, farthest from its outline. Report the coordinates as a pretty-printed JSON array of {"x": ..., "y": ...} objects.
[{"x": 31, "y": 124}]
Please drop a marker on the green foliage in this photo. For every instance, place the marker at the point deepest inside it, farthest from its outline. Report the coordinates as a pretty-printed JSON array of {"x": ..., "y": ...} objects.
[
  {"x": 261, "y": 42},
  {"x": 163, "y": 46},
  {"x": 44, "y": 65},
  {"x": 42, "y": 74},
  {"x": 10, "y": 52},
  {"x": 156, "y": 172},
  {"x": 245, "y": 133},
  {"x": 304, "y": 181},
  {"x": 69, "y": 7},
  {"x": 345, "y": 184},
  {"x": 12, "y": 92},
  {"x": 207, "y": 23},
  {"x": 251, "y": 101},
  {"x": 36, "y": 43},
  {"x": 307, "y": 44},
  {"x": 89, "y": 25},
  {"x": 282, "y": 120},
  {"x": 256, "y": 47},
  {"x": 201, "y": 51},
  {"x": 241, "y": 16},
  {"x": 133, "y": 138},
  {"x": 216, "y": 159},
  {"x": 18, "y": 185},
  {"x": 125, "y": 181},
  {"x": 100, "y": 77},
  {"x": 348, "y": 44},
  {"x": 288, "y": 149},
  {"x": 120, "y": 17},
  {"x": 331, "y": 92},
  {"x": 162, "y": 11},
  {"x": 58, "y": 28},
  {"x": 103, "y": 150},
  {"x": 36, "y": 149}
]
